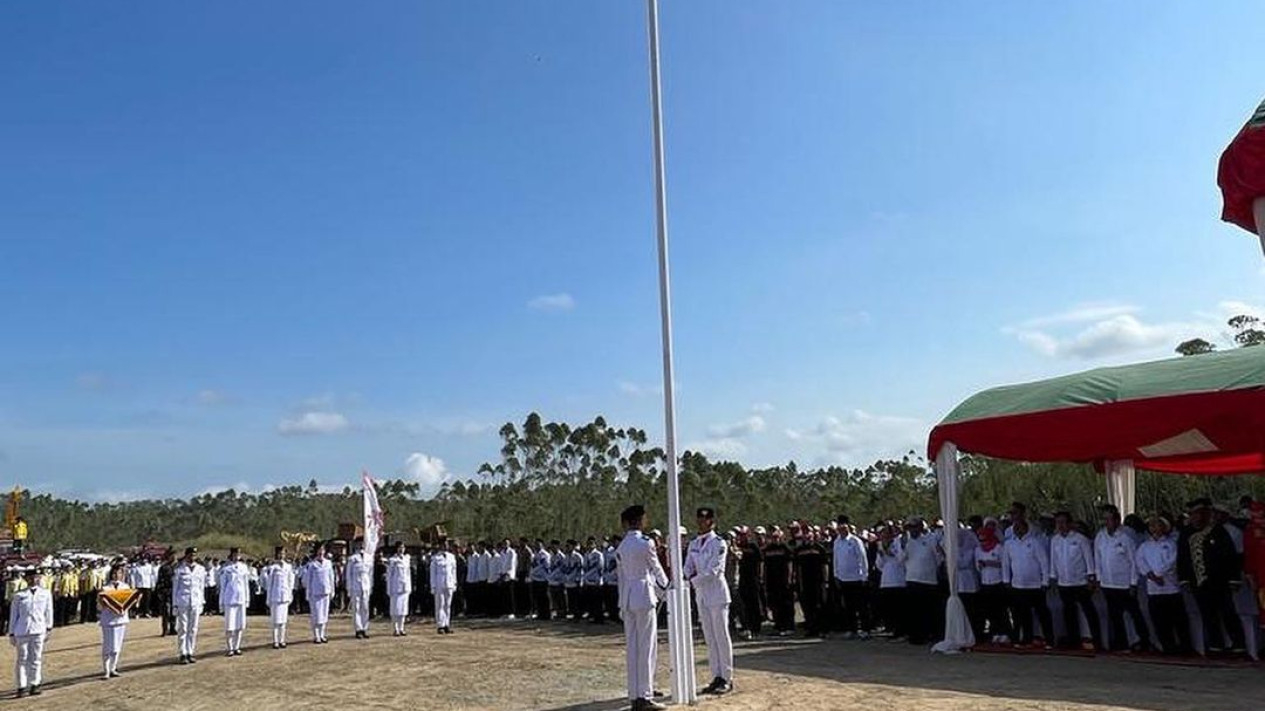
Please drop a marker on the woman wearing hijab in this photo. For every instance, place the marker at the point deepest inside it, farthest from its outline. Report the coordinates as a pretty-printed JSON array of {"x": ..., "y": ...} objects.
[{"x": 992, "y": 593}]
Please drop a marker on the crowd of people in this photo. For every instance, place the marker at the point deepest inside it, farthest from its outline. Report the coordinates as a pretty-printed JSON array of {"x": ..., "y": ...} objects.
[{"x": 1169, "y": 584}]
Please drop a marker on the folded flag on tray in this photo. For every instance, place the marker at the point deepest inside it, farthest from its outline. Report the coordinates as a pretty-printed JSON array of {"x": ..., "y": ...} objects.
[{"x": 119, "y": 601}]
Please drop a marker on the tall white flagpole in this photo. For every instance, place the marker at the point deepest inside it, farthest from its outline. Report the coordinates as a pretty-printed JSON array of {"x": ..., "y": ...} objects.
[{"x": 680, "y": 627}]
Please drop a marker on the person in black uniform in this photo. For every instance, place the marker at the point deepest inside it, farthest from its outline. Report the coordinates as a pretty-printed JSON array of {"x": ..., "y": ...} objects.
[
  {"x": 162, "y": 591},
  {"x": 751, "y": 581},
  {"x": 777, "y": 583},
  {"x": 810, "y": 579}
]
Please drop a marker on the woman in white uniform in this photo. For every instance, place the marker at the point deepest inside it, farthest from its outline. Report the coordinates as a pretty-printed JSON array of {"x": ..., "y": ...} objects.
[
  {"x": 399, "y": 587},
  {"x": 113, "y": 625},
  {"x": 318, "y": 582},
  {"x": 234, "y": 584}
]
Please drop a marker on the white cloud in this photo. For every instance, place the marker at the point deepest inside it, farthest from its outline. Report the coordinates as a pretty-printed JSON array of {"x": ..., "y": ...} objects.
[
  {"x": 313, "y": 423},
  {"x": 719, "y": 447},
  {"x": 1096, "y": 331},
  {"x": 429, "y": 472},
  {"x": 628, "y": 387},
  {"x": 861, "y": 437},
  {"x": 211, "y": 397},
  {"x": 552, "y": 302},
  {"x": 763, "y": 407},
  {"x": 1081, "y": 313},
  {"x": 737, "y": 430},
  {"x": 118, "y": 496}
]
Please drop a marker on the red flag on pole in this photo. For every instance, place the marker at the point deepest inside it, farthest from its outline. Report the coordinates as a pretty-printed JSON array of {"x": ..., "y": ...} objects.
[{"x": 1241, "y": 173}]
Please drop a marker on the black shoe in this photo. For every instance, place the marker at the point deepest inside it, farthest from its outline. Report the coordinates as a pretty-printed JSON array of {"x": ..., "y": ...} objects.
[
  {"x": 115, "y": 674},
  {"x": 711, "y": 688},
  {"x": 21, "y": 693},
  {"x": 35, "y": 690},
  {"x": 284, "y": 645},
  {"x": 193, "y": 659},
  {"x": 276, "y": 646},
  {"x": 723, "y": 688},
  {"x": 184, "y": 659}
]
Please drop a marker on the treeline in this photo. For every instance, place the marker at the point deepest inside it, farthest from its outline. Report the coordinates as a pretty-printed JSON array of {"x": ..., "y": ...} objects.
[{"x": 557, "y": 480}]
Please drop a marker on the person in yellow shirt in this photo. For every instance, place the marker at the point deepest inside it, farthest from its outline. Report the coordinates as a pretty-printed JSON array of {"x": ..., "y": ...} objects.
[
  {"x": 20, "y": 533},
  {"x": 68, "y": 600}
]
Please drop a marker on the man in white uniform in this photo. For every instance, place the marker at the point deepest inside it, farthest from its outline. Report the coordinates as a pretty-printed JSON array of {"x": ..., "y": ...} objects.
[
  {"x": 188, "y": 595},
  {"x": 30, "y": 623},
  {"x": 318, "y": 582},
  {"x": 358, "y": 577},
  {"x": 1115, "y": 561},
  {"x": 443, "y": 583},
  {"x": 641, "y": 578},
  {"x": 705, "y": 570},
  {"x": 233, "y": 581},
  {"x": 1072, "y": 569},
  {"x": 113, "y": 626},
  {"x": 278, "y": 581},
  {"x": 399, "y": 587}
]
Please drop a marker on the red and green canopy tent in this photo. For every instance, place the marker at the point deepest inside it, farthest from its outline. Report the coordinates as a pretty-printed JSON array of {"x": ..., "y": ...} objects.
[{"x": 1201, "y": 414}]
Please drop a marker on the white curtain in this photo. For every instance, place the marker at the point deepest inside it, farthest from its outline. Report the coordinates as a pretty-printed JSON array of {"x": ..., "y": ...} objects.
[
  {"x": 957, "y": 626},
  {"x": 1122, "y": 482}
]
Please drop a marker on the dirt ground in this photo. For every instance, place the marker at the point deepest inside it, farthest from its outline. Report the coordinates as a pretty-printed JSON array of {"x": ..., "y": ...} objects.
[{"x": 569, "y": 667}]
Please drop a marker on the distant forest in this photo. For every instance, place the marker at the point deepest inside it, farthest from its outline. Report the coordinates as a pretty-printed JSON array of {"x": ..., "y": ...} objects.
[{"x": 558, "y": 480}]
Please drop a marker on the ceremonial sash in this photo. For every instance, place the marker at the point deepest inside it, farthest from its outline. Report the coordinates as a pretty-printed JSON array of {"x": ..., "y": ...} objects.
[{"x": 119, "y": 600}]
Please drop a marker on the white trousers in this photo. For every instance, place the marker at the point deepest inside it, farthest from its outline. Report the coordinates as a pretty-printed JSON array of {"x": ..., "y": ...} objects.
[
  {"x": 399, "y": 605},
  {"x": 234, "y": 618},
  {"x": 443, "y": 608},
  {"x": 29, "y": 663},
  {"x": 187, "y": 629},
  {"x": 112, "y": 646},
  {"x": 360, "y": 611},
  {"x": 641, "y": 628},
  {"x": 319, "y": 615},
  {"x": 720, "y": 648}
]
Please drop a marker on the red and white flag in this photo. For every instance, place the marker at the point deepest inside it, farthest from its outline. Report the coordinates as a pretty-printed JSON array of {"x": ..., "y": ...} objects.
[{"x": 373, "y": 515}]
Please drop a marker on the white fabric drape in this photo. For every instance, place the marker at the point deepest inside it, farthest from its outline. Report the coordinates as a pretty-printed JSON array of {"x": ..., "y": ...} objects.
[
  {"x": 957, "y": 626},
  {"x": 1122, "y": 482}
]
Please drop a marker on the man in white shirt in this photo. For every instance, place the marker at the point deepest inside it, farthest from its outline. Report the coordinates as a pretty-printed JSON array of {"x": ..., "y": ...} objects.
[
  {"x": 188, "y": 595},
  {"x": 591, "y": 580},
  {"x": 30, "y": 624},
  {"x": 443, "y": 582},
  {"x": 705, "y": 571},
  {"x": 476, "y": 580},
  {"x": 359, "y": 581},
  {"x": 1072, "y": 569},
  {"x": 852, "y": 574},
  {"x": 506, "y": 578},
  {"x": 571, "y": 583},
  {"x": 641, "y": 579},
  {"x": 1025, "y": 571},
  {"x": 234, "y": 584},
  {"x": 922, "y": 585},
  {"x": 557, "y": 580},
  {"x": 610, "y": 580},
  {"x": 399, "y": 587},
  {"x": 539, "y": 575},
  {"x": 278, "y": 581},
  {"x": 1157, "y": 563},
  {"x": 1115, "y": 562}
]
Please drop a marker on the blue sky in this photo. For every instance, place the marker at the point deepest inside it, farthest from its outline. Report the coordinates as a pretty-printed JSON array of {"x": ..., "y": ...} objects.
[{"x": 253, "y": 244}]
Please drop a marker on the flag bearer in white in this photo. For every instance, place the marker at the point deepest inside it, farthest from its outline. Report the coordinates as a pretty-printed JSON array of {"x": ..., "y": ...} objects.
[
  {"x": 359, "y": 581},
  {"x": 1115, "y": 560},
  {"x": 641, "y": 578},
  {"x": 113, "y": 626},
  {"x": 233, "y": 581},
  {"x": 279, "y": 585},
  {"x": 30, "y": 623},
  {"x": 443, "y": 583},
  {"x": 188, "y": 595},
  {"x": 318, "y": 583},
  {"x": 705, "y": 570},
  {"x": 399, "y": 587}
]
